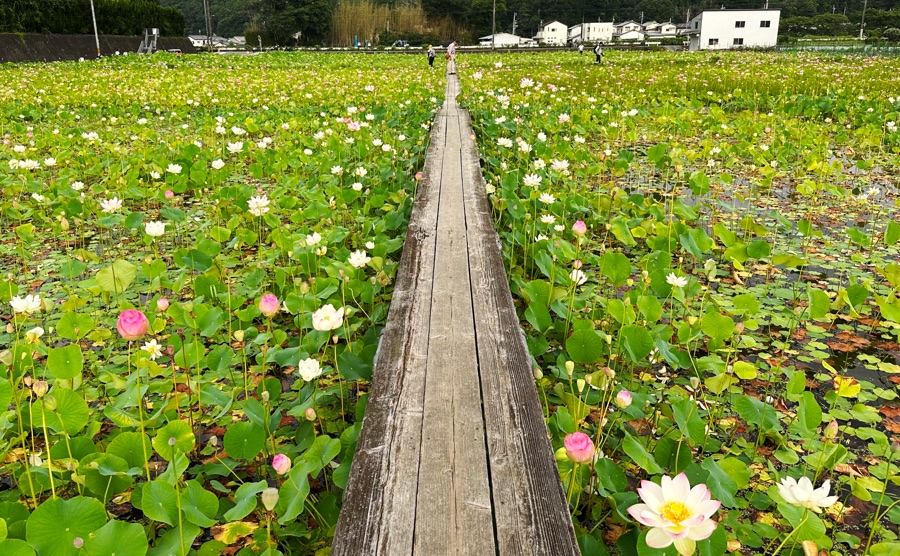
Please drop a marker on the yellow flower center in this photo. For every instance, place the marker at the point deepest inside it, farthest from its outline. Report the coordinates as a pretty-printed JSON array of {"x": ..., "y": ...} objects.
[{"x": 674, "y": 512}]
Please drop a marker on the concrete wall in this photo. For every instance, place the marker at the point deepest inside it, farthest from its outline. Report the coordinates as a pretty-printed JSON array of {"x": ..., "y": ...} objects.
[{"x": 50, "y": 48}]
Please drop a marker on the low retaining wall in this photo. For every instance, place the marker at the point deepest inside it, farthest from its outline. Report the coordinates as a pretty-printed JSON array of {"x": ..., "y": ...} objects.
[{"x": 31, "y": 47}]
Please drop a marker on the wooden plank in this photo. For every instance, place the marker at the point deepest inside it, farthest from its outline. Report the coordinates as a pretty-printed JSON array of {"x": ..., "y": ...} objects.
[
  {"x": 454, "y": 509},
  {"x": 392, "y": 423},
  {"x": 530, "y": 512}
]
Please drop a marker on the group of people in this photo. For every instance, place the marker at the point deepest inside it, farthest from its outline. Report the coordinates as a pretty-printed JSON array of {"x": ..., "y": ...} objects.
[{"x": 451, "y": 57}]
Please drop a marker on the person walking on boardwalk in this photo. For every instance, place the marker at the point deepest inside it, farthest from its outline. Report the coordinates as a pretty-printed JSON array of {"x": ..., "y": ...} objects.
[
  {"x": 598, "y": 53},
  {"x": 430, "y": 56},
  {"x": 451, "y": 58}
]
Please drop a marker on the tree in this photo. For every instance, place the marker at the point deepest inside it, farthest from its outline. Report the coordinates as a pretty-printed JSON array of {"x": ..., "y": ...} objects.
[{"x": 282, "y": 19}]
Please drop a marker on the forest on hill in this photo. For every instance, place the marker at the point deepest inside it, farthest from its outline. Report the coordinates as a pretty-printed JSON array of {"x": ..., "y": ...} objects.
[
  {"x": 231, "y": 17},
  {"x": 339, "y": 22}
]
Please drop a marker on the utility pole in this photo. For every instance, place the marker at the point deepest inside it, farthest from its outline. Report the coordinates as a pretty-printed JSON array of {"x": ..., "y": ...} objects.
[
  {"x": 208, "y": 23},
  {"x": 862, "y": 22},
  {"x": 96, "y": 35},
  {"x": 494, "y": 25},
  {"x": 514, "y": 23}
]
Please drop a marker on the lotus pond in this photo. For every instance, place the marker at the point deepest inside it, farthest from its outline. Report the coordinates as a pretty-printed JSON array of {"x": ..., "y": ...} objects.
[
  {"x": 197, "y": 260},
  {"x": 704, "y": 250}
]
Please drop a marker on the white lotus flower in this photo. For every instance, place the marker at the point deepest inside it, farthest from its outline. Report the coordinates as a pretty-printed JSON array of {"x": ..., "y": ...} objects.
[
  {"x": 111, "y": 205},
  {"x": 258, "y": 205},
  {"x": 801, "y": 493},
  {"x": 28, "y": 305},
  {"x": 174, "y": 169},
  {"x": 676, "y": 513},
  {"x": 155, "y": 229},
  {"x": 153, "y": 349},
  {"x": 677, "y": 281},
  {"x": 359, "y": 259},
  {"x": 235, "y": 147},
  {"x": 218, "y": 164},
  {"x": 547, "y": 198},
  {"x": 578, "y": 276},
  {"x": 328, "y": 318},
  {"x": 309, "y": 369},
  {"x": 313, "y": 239}
]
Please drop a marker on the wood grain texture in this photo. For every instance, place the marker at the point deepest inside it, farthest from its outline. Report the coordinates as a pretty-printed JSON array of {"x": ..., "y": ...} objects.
[
  {"x": 453, "y": 456},
  {"x": 530, "y": 510}
]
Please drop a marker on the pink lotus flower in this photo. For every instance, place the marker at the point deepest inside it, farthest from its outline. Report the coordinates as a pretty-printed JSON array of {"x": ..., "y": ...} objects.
[
  {"x": 132, "y": 324},
  {"x": 268, "y": 305},
  {"x": 579, "y": 228},
  {"x": 676, "y": 513},
  {"x": 418, "y": 176},
  {"x": 162, "y": 304},
  {"x": 169, "y": 194},
  {"x": 281, "y": 463},
  {"x": 623, "y": 398},
  {"x": 579, "y": 447}
]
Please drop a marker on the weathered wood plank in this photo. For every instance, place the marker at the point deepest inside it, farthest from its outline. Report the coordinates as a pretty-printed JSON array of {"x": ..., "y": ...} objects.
[
  {"x": 392, "y": 425},
  {"x": 530, "y": 511},
  {"x": 454, "y": 510}
]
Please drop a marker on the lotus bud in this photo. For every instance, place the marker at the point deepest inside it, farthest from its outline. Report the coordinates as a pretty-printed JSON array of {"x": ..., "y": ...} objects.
[
  {"x": 310, "y": 414},
  {"x": 269, "y": 305},
  {"x": 589, "y": 379},
  {"x": 579, "y": 447},
  {"x": 570, "y": 368},
  {"x": 580, "y": 383},
  {"x": 270, "y": 498},
  {"x": 50, "y": 403},
  {"x": 610, "y": 374},
  {"x": 27, "y": 380},
  {"x": 623, "y": 399},
  {"x": 304, "y": 288},
  {"x": 173, "y": 441},
  {"x": 239, "y": 335},
  {"x": 213, "y": 441},
  {"x": 739, "y": 328},
  {"x": 77, "y": 542},
  {"x": 577, "y": 264},
  {"x": 831, "y": 430},
  {"x": 692, "y": 320},
  {"x": 538, "y": 374},
  {"x": 281, "y": 463},
  {"x": 561, "y": 455},
  {"x": 64, "y": 224},
  {"x": 265, "y": 396},
  {"x": 695, "y": 382},
  {"x": 162, "y": 304},
  {"x": 40, "y": 388}
]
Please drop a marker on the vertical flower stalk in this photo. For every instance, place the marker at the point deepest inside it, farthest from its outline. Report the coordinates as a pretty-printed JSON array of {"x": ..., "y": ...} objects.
[{"x": 132, "y": 325}]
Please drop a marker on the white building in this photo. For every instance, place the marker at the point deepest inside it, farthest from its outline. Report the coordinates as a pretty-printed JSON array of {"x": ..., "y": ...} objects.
[
  {"x": 724, "y": 29},
  {"x": 553, "y": 33},
  {"x": 628, "y": 31},
  {"x": 654, "y": 30},
  {"x": 504, "y": 40},
  {"x": 593, "y": 32}
]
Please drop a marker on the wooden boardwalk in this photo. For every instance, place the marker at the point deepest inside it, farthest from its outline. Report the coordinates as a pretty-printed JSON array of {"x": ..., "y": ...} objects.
[{"x": 454, "y": 456}]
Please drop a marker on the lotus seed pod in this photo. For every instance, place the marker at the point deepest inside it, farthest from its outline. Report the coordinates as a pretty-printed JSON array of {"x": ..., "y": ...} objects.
[
  {"x": 570, "y": 368},
  {"x": 270, "y": 498},
  {"x": 40, "y": 388}
]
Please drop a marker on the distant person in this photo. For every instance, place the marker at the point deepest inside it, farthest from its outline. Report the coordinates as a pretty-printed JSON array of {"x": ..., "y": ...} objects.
[
  {"x": 430, "y": 56},
  {"x": 451, "y": 58},
  {"x": 580, "y": 48},
  {"x": 598, "y": 53}
]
